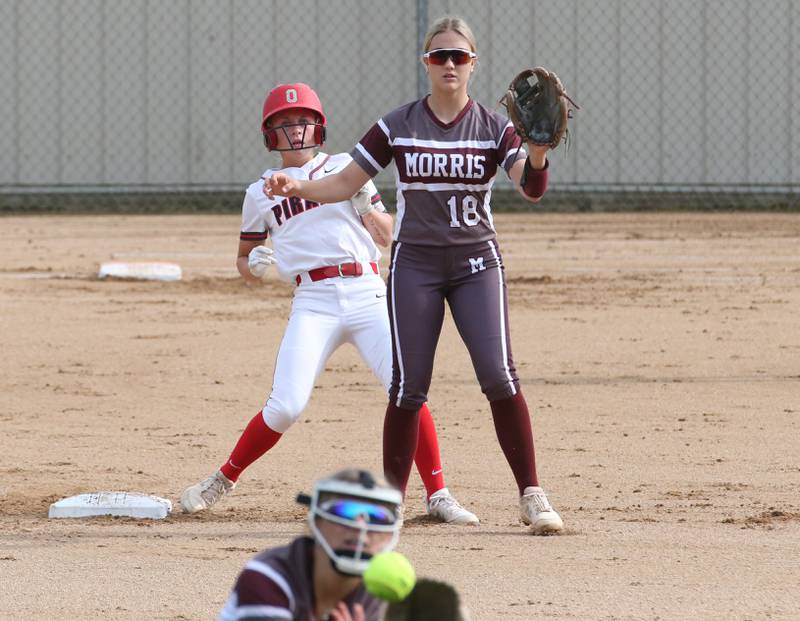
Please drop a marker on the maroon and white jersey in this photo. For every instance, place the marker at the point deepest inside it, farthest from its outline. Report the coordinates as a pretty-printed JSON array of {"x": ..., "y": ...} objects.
[
  {"x": 278, "y": 585},
  {"x": 444, "y": 172}
]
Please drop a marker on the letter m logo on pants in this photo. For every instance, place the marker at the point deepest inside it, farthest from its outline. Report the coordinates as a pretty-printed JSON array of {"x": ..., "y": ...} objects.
[{"x": 476, "y": 265}]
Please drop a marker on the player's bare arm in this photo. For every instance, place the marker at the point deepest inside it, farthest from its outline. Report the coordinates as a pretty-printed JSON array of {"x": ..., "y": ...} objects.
[
  {"x": 369, "y": 208},
  {"x": 537, "y": 159},
  {"x": 330, "y": 189},
  {"x": 379, "y": 225}
]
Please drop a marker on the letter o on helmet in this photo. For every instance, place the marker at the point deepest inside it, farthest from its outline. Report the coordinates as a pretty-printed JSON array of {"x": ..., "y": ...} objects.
[{"x": 287, "y": 97}]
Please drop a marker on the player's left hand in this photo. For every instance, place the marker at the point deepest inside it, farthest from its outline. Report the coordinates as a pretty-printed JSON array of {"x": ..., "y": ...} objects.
[
  {"x": 362, "y": 201},
  {"x": 539, "y": 107},
  {"x": 342, "y": 613},
  {"x": 259, "y": 260},
  {"x": 281, "y": 184}
]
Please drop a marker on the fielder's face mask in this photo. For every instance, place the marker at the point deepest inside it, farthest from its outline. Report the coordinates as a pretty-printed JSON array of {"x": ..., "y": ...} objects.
[{"x": 363, "y": 507}]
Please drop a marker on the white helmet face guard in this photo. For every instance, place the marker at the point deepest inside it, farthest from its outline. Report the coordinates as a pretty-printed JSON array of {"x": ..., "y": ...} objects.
[{"x": 354, "y": 562}]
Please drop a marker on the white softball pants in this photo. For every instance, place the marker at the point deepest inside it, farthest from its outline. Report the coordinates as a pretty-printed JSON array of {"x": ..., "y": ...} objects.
[{"x": 324, "y": 316}]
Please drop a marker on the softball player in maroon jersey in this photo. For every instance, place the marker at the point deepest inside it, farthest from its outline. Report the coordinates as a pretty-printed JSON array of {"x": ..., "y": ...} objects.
[
  {"x": 329, "y": 253},
  {"x": 447, "y": 149},
  {"x": 352, "y": 516}
]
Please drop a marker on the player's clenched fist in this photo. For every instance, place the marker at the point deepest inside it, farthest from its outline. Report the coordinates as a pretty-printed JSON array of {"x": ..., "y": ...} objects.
[
  {"x": 281, "y": 184},
  {"x": 259, "y": 259}
]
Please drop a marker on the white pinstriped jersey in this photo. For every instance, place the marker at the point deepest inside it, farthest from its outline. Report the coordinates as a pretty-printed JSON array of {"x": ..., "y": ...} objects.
[
  {"x": 306, "y": 235},
  {"x": 444, "y": 171}
]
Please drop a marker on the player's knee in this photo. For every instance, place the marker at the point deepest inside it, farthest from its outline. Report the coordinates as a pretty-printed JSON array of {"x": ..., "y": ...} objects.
[
  {"x": 407, "y": 401},
  {"x": 502, "y": 389},
  {"x": 280, "y": 413}
]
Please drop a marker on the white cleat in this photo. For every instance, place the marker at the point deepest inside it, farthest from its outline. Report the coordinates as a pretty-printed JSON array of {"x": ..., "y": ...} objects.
[
  {"x": 445, "y": 508},
  {"x": 536, "y": 511},
  {"x": 206, "y": 493}
]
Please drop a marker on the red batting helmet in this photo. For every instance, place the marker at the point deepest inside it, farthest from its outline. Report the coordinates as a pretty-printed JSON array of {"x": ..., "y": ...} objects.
[{"x": 288, "y": 97}]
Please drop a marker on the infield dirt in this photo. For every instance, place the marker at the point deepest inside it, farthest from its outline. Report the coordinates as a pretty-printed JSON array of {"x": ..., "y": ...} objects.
[{"x": 659, "y": 353}]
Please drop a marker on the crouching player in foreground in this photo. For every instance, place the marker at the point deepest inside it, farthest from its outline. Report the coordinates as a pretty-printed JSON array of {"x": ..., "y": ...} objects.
[{"x": 352, "y": 516}]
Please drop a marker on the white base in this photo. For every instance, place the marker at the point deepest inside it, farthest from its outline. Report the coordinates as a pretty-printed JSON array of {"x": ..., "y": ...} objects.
[
  {"x": 127, "y": 504},
  {"x": 140, "y": 271}
]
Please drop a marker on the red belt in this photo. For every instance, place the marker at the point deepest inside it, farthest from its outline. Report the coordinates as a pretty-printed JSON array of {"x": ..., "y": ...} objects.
[{"x": 337, "y": 271}]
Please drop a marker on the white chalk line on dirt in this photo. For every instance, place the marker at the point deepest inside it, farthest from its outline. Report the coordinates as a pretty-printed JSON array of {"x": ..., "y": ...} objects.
[
  {"x": 38, "y": 275},
  {"x": 34, "y": 275},
  {"x": 640, "y": 379},
  {"x": 166, "y": 255}
]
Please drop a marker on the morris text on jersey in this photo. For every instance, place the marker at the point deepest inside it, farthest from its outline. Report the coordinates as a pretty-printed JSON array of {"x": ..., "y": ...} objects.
[{"x": 418, "y": 165}]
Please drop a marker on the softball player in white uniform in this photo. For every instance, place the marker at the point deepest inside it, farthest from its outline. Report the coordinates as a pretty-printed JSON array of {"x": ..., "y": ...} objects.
[{"x": 329, "y": 252}]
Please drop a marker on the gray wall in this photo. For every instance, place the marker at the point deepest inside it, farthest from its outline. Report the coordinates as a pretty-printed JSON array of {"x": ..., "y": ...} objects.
[{"x": 675, "y": 94}]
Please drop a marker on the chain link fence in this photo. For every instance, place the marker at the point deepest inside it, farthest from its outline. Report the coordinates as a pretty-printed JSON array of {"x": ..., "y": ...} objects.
[{"x": 155, "y": 104}]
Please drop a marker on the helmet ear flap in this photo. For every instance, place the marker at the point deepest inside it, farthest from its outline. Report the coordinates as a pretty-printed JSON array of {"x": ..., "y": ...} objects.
[
  {"x": 320, "y": 134},
  {"x": 270, "y": 139}
]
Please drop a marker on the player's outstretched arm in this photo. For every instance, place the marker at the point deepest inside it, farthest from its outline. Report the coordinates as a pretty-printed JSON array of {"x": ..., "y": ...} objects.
[{"x": 330, "y": 189}]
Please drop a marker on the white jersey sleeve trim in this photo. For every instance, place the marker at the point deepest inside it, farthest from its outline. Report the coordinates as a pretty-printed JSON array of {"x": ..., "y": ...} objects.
[
  {"x": 368, "y": 157},
  {"x": 385, "y": 130},
  {"x": 513, "y": 152},
  {"x": 503, "y": 131},
  {"x": 275, "y": 576}
]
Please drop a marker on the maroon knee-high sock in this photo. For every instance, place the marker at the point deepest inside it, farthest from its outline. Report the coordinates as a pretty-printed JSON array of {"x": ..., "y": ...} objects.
[
  {"x": 256, "y": 439},
  {"x": 400, "y": 433},
  {"x": 512, "y": 423}
]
